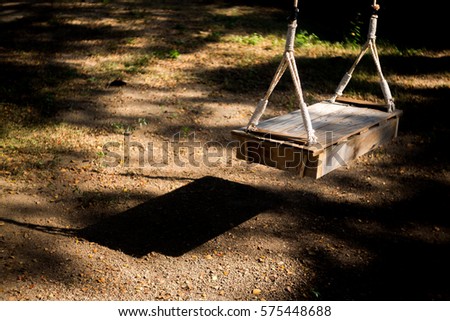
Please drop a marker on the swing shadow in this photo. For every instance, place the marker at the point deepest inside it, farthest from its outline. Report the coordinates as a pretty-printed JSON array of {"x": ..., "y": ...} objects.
[
  {"x": 174, "y": 223},
  {"x": 179, "y": 221}
]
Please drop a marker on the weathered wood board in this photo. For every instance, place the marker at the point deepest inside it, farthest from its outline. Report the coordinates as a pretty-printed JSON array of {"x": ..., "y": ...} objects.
[{"x": 344, "y": 133}]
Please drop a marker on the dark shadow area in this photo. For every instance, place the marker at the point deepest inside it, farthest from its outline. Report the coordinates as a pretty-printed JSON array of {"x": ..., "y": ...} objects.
[
  {"x": 418, "y": 26},
  {"x": 179, "y": 221},
  {"x": 317, "y": 70},
  {"x": 402, "y": 270},
  {"x": 44, "y": 27},
  {"x": 176, "y": 222},
  {"x": 33, "y": 87},
  {"x": 33, "y": 77},
  {"x": 407, "y": 251},
  {"x": 416, "y": 65},
  {"x": 408, "y": 26}
]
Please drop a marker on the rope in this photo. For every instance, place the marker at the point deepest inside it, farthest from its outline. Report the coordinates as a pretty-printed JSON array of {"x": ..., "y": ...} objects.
[
  {"x": 288, "y": 60},
  {"x": 262, "y": 104},
  {"x": 383, "y": 83},
  {"x": 375, "y": 6},
  {"x": 290, "y": 36},
  {"x": 312, "y": 139},
  {"x": 259, "y": 111},
  {"x": 370, "y": 44}
]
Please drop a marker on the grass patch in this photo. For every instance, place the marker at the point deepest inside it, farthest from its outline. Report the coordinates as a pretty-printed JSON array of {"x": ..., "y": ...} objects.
[
  {"x": 137, "y": 64},
  {"x": 166, "y": 54},
  {"x": 253, "y": 39},
  {"x": 304, "y": 38}
]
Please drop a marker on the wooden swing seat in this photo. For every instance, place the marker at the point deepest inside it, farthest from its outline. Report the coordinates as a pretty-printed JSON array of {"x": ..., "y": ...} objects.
[{"x": 345, "y": 130}]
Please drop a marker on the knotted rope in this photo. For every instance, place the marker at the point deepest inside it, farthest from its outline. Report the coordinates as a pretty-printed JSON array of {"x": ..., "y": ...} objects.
[
  {"x": 370, "y": 44},
  {"x": 288, "y": 61}
]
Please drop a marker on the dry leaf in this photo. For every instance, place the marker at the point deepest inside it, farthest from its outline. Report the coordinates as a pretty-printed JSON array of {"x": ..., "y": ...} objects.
[{"x": 256, "y": 291}]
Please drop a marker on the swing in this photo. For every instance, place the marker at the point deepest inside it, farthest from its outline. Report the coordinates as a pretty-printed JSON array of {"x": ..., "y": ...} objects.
[{"x": 317, "y": 139}]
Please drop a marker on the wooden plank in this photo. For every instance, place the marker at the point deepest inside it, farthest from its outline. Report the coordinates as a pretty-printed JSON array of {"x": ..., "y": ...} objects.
[
  {"x": 340, "y": 120},
  {"x": 344, "y": 129},
  {"x": 340, "y": 154},
  {"x": 345, "y": 123},
  {"x": 309, "y": 161},
  {"x": 277, "y": 155},
  {"x": 361, "y": 103},
  {"x": 291, "y": 125}
]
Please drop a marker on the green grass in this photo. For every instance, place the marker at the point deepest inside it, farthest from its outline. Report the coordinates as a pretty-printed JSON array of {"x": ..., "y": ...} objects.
[
  {"x": 137, "y": 64},
  {"x": 166, "y": 54},
  {"x": 253, "y": 39},
  {"x": 305, "y": 38}
]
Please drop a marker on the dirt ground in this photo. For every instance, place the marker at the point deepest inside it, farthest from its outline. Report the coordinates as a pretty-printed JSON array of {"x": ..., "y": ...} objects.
[{"x": 158, "y": 220}]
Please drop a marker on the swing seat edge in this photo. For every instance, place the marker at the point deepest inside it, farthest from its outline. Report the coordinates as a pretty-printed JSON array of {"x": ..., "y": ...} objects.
[{"x": 358, "y": 136}]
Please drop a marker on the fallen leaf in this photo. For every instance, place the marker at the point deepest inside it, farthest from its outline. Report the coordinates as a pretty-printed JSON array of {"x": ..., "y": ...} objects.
[{"x": 256, "y": 291}]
